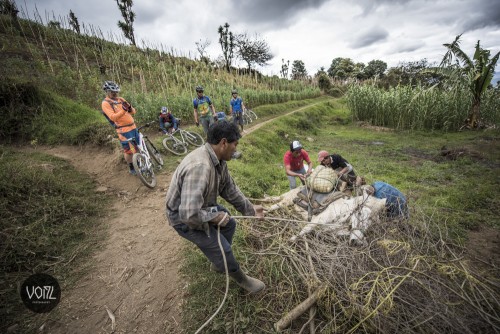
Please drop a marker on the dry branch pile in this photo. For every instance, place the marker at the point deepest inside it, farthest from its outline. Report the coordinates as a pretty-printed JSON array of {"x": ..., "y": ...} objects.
[{"x": 404, "y": 280}]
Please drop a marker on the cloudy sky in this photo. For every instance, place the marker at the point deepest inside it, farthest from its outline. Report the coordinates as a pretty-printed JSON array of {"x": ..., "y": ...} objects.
[{"x": 314, "y": 31}]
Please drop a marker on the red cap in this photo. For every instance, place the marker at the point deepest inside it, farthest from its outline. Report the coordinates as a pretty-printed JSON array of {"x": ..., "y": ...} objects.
[{"x": 322, "y": 155}]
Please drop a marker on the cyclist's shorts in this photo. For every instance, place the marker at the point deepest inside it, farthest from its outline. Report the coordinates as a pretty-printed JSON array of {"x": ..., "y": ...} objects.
[
  {"x": 238, "y": 118},
  {"x": 126, "y": 135}
]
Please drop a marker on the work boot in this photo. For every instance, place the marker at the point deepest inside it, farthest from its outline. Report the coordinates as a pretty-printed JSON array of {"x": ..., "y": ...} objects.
[{"x": 248, "y": 283}]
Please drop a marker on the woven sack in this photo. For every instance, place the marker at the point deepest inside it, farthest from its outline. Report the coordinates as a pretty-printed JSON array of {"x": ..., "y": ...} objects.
[{"x": 322, "y": 180}]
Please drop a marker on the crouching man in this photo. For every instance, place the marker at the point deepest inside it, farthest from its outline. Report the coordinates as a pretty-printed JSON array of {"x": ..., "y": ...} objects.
[{"x": 192, "y": 207}]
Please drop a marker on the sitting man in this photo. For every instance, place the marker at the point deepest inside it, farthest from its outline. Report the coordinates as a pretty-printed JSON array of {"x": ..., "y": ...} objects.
[
  {"x": 395, "y": 204},
  {"x": 344, "y": 170},
  {"x": 294, "y": 164},
  {"x": 168, "y": 123}
]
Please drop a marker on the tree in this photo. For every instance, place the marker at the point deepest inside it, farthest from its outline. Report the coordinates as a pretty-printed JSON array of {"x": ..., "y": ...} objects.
[
  {"x": 284, "y": 68},
  {"x": 375, "y": 68},
  {"x": 477, "y": 71},
  {"x": 342, "y": 68},
  {"x": 127, "y": 26},
  {"x": 8, "y": 7},
  {"x": 324, "y": 82},
  {"x": 253, "y": 51},
  {"x": 200, "y": 47},
  {"x": 298, "y": 70},
  {"x": 226, "y": 41},
  {"x": 73, "y": 22}
]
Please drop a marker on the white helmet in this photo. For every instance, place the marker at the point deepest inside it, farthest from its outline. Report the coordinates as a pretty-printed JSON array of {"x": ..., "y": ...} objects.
[{"x": 110, "y": 86}]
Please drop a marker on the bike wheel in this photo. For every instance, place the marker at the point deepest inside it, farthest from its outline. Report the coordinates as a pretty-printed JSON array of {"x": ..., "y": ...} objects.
[
  {"x": 175, "y": 146},
  {"x": 246, "y": 119},
  {"x": 251, "y": 114},
  {"x": 145, "y": 173},
  {"x": 194, "y": 138},
  {"x": 155, "y": 154}
]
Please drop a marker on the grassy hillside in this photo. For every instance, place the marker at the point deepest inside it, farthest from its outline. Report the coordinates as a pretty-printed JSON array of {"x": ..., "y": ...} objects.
[{"x": 57, "y": 63}]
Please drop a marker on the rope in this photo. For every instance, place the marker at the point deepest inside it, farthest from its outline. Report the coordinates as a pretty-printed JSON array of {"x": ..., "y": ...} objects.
[{"x": 278, "y": 219}]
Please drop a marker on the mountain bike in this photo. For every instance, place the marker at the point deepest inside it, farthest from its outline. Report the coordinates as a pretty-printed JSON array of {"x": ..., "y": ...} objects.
[
  {"x": 144, "y": 155},
  {"x": 250, "y": 113},
  {"x": 177, "y": 141}
]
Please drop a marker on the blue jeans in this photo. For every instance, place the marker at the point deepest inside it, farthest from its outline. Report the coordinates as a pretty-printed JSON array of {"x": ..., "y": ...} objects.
[
  {"x": 293, "y": 183},
  {"x": 164, "y": 126},
  {"x": 206, "y": 121},
  {"x": 210, "y": 246}
]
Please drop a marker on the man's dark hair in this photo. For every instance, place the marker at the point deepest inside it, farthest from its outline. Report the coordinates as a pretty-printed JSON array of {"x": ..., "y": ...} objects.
[{"x": 221, "y": 130}]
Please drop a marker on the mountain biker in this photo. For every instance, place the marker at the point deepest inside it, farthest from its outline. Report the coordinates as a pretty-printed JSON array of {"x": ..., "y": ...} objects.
[
  {"x": 294, "y": 164},
  {"x": 168, "y": 123},
  {"x": 237, "y": 108},
  {"x": 202, "y": 105},
  {"x": 191, "y": 201},
  {"x": 344, "y": 170},
  {"x": 119, "y": 112}
]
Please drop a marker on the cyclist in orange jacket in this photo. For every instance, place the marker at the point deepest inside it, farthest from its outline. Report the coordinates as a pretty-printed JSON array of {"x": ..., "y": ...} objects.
[{"x": 119, "y": 113}]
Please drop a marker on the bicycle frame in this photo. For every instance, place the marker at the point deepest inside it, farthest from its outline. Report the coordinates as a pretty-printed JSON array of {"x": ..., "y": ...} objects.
[{"x": 142, "y": 149}]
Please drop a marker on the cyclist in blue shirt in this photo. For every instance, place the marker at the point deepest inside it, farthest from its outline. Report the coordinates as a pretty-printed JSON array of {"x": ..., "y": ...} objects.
[
  {"x": 202, "y": 105},
  {"x": 237, "y": 108}
]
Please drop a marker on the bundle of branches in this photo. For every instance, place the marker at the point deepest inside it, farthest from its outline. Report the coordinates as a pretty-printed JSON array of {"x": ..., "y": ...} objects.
[{"x": 407, "y": 279}]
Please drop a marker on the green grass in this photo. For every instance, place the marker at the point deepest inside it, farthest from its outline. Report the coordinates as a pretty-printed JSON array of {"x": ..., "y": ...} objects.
[
  {"x": 454, "y": 195},
  {"x": 50, "y": 224}
]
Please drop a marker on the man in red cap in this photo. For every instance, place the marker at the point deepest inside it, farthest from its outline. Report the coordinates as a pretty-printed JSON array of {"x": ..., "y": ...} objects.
[
  {"x": 344, "y": 170},
  {"x": 294, "y": 164}
]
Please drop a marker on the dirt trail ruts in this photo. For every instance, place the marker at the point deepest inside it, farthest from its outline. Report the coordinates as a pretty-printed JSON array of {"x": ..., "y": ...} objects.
[{"x": 135, "y": 275}]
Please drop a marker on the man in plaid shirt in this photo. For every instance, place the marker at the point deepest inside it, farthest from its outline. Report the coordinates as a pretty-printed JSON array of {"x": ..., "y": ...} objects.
[{"x": 192, "y": 207}]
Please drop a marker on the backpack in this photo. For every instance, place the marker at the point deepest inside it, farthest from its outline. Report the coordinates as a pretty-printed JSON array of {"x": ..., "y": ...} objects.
[{"x": 113, "y": 106}]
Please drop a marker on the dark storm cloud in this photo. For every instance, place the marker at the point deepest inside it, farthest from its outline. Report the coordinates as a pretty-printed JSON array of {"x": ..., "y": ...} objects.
[
  {"x": 484, "y": 13},
  {"x": 369, "y": 37},
  {"x": 272, "y": 11}
]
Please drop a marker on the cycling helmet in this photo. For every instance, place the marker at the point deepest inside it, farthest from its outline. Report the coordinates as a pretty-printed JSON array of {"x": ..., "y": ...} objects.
[
  {"x": 295, "y": 146},
  {"x": 199, "y": 89},
  {"x": 110, "y": 86},
  {"x": 234, "y": 91},
  {"x": 164, "y": 110}
]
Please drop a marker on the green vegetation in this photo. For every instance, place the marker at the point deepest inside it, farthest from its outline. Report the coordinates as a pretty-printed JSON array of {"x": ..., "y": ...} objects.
[
  {"x": 50, "y": 223},
  {"x": 75, "y": 66},
  {"x": 419, "y": 108},
  {"x": 450, "y": 191},
  {"x": 42, "y": 117}
]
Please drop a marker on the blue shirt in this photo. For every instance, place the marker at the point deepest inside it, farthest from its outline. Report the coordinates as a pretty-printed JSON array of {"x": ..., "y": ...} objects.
[
  {"x": 396, "y": 201},
  {"x": 202, "y": 105},
  {"x": 236, "y": 104}
]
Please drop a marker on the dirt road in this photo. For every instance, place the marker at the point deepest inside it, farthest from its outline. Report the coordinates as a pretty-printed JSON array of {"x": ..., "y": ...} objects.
[{"x": 135, "y": 275}]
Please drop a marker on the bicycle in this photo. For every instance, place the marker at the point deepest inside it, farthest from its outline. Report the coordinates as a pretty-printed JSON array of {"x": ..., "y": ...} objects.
[
  {"x": 178, "y": 141},
  {"x": 142, "y": 159},
  {"x": 250, "y": 113}
]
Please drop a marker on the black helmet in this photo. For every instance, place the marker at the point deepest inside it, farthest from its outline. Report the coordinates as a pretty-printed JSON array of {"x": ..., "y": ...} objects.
[
  {"x": 110, "y": 86},
  {"x": 199, "y": 89},
  {"x": 234, "y": 91},
  {"x": 295, "y": 146}
]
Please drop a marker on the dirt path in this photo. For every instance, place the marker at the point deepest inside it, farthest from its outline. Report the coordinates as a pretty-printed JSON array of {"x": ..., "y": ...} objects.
[
  {"x": 255, "y": 127},
  {"x": 135, "y": 275}
]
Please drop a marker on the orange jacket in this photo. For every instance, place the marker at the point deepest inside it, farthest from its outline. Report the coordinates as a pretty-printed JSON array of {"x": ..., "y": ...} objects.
[{"x": 123, "y": 120}]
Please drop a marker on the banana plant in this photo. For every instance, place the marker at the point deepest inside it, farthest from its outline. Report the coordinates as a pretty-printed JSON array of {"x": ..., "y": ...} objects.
[{"x": 478, "y": 72}]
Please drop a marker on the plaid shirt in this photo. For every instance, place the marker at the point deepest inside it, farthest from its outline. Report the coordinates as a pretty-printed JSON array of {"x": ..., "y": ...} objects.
[{"x": 194, "y": 187}]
